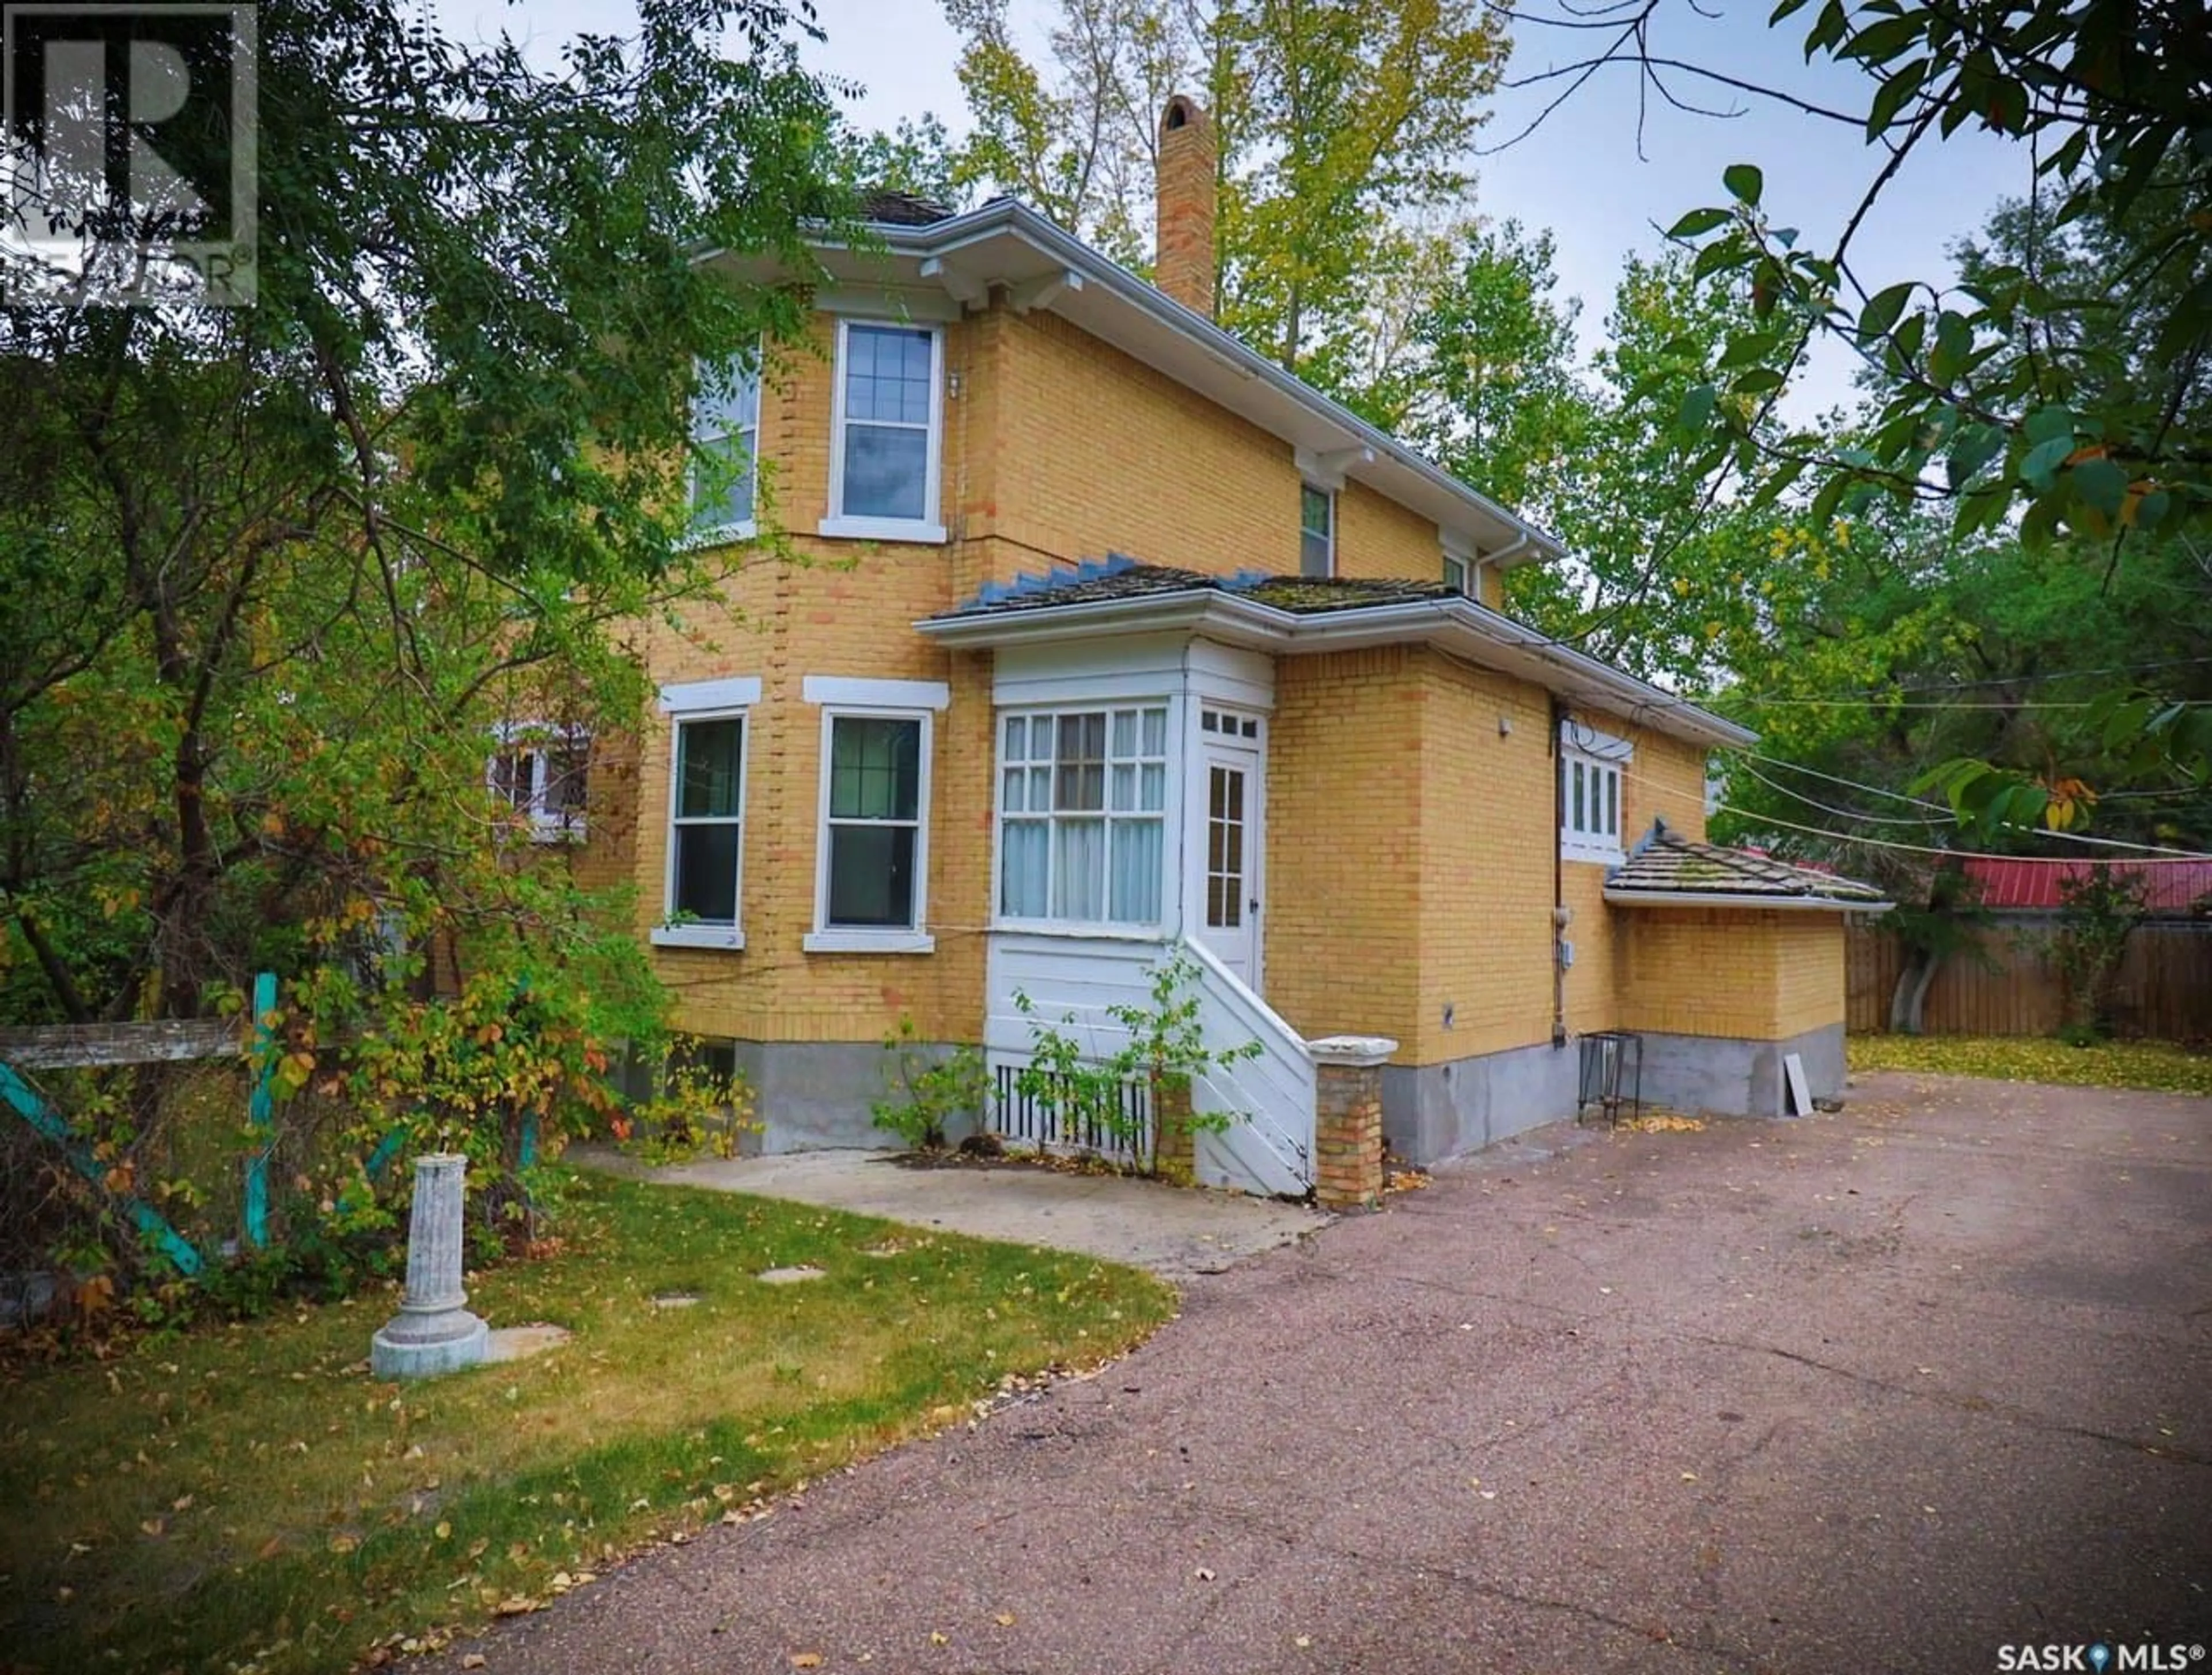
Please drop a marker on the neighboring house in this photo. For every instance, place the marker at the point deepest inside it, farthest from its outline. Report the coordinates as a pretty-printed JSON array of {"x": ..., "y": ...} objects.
[{"x": 1108, "y": 636}]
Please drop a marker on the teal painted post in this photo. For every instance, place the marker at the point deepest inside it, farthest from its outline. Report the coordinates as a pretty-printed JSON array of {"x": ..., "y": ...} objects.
[
  {"x": 261, "y": 1114},
  {"x": 51, "y": 1123},
  {"x": 526, "y": 1149}
]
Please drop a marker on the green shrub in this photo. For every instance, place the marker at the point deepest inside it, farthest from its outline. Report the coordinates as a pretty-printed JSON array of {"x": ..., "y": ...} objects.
[{"x": 927, "y": 1093}]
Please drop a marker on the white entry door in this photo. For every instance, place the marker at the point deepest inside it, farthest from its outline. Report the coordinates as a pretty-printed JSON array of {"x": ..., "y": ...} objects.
[{"x": 1230, "y": 841}]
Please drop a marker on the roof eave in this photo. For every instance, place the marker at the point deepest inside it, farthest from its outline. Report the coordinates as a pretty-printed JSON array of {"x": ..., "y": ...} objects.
[
  {"x": 1481, "y": 633},
  {"x": 1742, "y": 900},
  {"x": 1530, "y": 542}
]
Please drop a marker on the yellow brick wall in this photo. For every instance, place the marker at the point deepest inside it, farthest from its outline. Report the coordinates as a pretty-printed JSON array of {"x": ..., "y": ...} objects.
[
  {"x": 1075, "y": 450},
  {"x": 1376, "y": 537},
  {"x": 1486, "y": 907},
  {"x": 1344, "y": 863},
  {"x": 1411, "y": 845},
  {"x": 1763, "y": 976},
  {"x": 1699, "y": 972},
  {"x": 1808, "y": 971},
  {"x": 782, "y": 622}
]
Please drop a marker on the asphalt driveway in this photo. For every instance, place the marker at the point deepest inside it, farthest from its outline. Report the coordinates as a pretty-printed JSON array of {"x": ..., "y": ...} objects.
[{"x": 1888, "y": 1391}]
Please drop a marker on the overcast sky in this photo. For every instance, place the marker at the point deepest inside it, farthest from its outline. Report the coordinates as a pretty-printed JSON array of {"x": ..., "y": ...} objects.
[{"x": 1580, "y": 174}]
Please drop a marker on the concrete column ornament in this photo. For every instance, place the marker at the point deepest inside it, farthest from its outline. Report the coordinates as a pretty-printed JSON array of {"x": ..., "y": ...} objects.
[{"x": 433, "y": 1331}]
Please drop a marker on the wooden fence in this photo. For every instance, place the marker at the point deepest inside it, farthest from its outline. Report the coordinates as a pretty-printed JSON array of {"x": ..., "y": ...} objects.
[{"x": 2012, "y": 988}]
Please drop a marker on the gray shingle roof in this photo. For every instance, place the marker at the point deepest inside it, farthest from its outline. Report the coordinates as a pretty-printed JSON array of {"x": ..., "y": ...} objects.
[
  {"x": 1118, "y": 576},
  {"x": 1666, "y": 866}
]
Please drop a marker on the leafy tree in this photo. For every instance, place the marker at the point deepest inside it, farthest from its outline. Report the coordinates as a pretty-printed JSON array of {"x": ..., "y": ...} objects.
[
  {"x": 1336, "y": 121},
  {"x": 271, "y": 575}
]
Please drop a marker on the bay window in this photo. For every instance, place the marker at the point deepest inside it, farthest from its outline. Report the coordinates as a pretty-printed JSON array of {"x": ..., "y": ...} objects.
[{"x": 1082, "y": 812}]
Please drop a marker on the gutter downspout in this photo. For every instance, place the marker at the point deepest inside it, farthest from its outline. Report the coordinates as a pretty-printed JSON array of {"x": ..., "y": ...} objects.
[{"x": 1559, "y": 882}]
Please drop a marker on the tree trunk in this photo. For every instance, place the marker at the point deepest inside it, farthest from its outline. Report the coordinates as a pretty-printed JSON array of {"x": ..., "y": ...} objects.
[{"x": 1910, "y": 995}]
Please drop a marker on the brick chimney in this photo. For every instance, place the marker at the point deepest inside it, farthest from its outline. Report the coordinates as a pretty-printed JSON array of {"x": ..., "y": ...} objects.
[{"x": 1183, "y": 263}]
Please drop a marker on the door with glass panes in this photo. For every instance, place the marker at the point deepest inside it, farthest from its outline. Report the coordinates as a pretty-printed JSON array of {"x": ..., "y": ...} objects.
[{"x": 1229, "y": 810}]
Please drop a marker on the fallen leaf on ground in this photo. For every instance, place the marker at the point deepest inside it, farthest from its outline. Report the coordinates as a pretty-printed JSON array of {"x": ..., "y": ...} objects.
[
  {"x": 472, "y": 1660},
  {"x": 1005, "y": 1619},
  {"x": 806, "y": 1661}
]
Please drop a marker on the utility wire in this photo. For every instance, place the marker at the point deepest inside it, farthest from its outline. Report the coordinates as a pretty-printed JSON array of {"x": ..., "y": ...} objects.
[{"x": 1848, "y": 813}]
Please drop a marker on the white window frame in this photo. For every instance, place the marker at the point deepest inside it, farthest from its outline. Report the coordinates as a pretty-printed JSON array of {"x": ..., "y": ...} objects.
[
  {"x": 731, "y": 698},
  {"x": 924, "y": 528},
  {"x": 1603, "y": 761},
  {"x": 744, "y": 529},
  {"x": 1149, "y": 930},
  {"x": 1459, "y": 574},
  {"x": 537, "y": 740},
  {"x": 916, "y": 701},
  {"x": 1306, "y": 486}
]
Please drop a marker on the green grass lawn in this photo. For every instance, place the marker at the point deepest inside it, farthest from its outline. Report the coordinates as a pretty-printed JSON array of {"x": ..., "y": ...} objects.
[
  {"x": 2150, "y": 1064},
  {"x": 249, "y": 1496}
]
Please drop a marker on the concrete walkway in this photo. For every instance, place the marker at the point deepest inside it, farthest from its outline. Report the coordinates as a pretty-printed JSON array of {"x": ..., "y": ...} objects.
[
  {"x": 1887, "y": 1391},
  {"x": 1176, "y": 1233}
]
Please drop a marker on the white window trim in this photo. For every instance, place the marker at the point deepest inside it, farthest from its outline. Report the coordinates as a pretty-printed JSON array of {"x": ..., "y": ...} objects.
[
  {"x": 826, "y": 938},
  {"x": 1328, "y": 495},
  {"x": 1607, "y": 754},
  {"x": 705, "y": 701},
  {"x": 733, "y": 692},
  {"x": 856, "y": 690},
  {"x": 546, "y": 825},
  {"x": 1094, "y": 929},
  {"x": 1459, "y": 574},
  {"x": 741, "y": 529},
  {"x": 929, "y": 529}
]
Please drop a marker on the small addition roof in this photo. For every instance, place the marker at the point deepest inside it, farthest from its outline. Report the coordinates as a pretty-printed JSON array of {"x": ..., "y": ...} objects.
[{"x": 1669, "y": 870}]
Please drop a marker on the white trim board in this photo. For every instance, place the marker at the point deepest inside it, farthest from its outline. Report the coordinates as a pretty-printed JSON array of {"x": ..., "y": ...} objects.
[
  {"x": 859, "y": 692},
  {"x": 735, "y": 691}
]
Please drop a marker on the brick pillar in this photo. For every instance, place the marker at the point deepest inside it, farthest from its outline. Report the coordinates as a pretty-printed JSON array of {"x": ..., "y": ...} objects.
[
  {"x": 1175, "y": 1149},
  {"x": 1182, "y": 261},
  {"x": 1348, "y": 1118}
]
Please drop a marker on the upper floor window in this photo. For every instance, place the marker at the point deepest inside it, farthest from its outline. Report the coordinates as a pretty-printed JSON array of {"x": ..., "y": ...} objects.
[
  {"x": 1317, "y": 531},
  {"x": 726, "y": 443},
  {"x": 1082, "y": 808},
  {"x": 1458, "y": 575},
  {"x": 707, "y": 728},
  {"x": 538, "y": 771},
  {"x": 1589, "y": 802},
  {"x": 886, "y": 442}
]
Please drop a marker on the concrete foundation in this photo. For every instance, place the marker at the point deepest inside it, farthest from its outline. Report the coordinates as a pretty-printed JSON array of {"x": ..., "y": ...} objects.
[
  {"x": 817, "y": 1095},
  {"x": 1433, "y": 1112},
  {"x": 1727, "y": 1077}
]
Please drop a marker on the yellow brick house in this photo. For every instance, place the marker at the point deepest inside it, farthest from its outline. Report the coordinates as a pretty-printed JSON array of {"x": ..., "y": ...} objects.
[{"x": 1108, "y": 637}]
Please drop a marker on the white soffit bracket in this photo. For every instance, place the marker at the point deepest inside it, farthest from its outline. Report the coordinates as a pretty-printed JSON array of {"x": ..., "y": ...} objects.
[
  {"x": 1042, "y": 291},
  {"x": 1325, "y": 468},
  {"x": 964, "y": 289}
]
